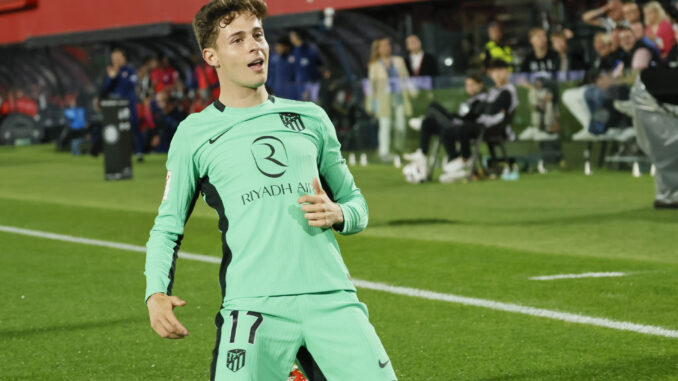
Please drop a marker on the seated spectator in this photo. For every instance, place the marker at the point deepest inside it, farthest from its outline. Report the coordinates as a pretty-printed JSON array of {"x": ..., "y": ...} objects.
[
  {"x": 495, "y": 118},
  {"x": 609, "y": 16},
  {"x": 495, "y": 48},
  {"x": 642, "y": 55},
  {"x": 419, "y": 63},
  {"x": 658, "y": 27},
  {"x": 605, "y": 61},
  {"x": 439, "y": 121},
  {"x": 631, "y": 12}
]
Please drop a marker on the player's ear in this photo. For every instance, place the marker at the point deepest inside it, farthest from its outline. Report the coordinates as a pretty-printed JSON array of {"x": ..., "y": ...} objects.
[{"x": 210, "y": 56}]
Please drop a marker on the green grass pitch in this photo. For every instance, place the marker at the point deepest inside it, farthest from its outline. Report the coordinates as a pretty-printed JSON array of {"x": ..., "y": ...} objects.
[{"x": 75, "y": 312}]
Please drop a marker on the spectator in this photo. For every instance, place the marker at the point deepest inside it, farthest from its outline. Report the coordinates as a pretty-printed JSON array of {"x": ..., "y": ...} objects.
[
  {"x": 574, "y": 98},
  {"x": 631, "y": 12},
  {"x": 658, "y": 27},
  {"x": 638, "y": 31},
  {"x": 609, "y": 16},
  {"x": 642, "y": 55},
  {"x": 207, "y": 80},
  {"x": 420, "y": 63},
  {"x": 121, "y": 82},
  {"x": 306, "y": 68},
  {"x": 164, "y": 76},
  {"x": 439, "y": 121},
  {"x": 570, "y": 58},
  {"x": 389, "y": 96},
  {"x": 501, "y": 102},
  {"x": 281, "y": 69},
  {"x": 496, "y": 48},
  {"x": 166, "y": 118},
  {"x": 19, "y": 103},
  {"x": 542, "y": 64},
  {"x": 76, "y": 122},
  {"x": 541, "y": 59}
]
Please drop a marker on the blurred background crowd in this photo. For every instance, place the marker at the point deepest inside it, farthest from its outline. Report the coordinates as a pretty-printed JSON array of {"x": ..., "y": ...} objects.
[{"x": 375, "y": 70}]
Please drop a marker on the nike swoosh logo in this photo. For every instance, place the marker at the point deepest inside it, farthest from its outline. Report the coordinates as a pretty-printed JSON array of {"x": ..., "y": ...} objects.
[
  {"x": 217, "y": 137},
  {"x": 383, "y": 364}
]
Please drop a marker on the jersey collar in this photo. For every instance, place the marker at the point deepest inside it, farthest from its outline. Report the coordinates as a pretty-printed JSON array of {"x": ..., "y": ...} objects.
[{"x": 221, "y": 107}]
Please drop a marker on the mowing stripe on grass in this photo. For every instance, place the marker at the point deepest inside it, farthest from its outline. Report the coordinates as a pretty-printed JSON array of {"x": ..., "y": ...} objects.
[
  {"x": 576, "y": 276},
  {"x": 406, "y": 291}
]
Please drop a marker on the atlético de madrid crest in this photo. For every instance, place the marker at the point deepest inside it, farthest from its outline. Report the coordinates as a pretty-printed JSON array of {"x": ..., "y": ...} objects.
[
  {"x": 235, "y": 359},
  {"x": 292, "y": 121}
]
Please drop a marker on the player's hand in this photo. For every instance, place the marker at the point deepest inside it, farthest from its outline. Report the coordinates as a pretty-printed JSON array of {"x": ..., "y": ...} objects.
[
  {"x": 161, "y": 313},
  {"x": 321, "y": 211}
]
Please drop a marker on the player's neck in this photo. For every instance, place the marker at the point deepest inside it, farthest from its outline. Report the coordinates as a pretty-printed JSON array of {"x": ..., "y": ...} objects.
[{"x": 238, "y": 97}]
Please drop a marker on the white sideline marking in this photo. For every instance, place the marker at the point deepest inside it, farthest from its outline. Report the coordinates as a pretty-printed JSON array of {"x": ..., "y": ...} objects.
[
  {"x": 406, "y": 291},
  {"x": 576, "y": 276}
]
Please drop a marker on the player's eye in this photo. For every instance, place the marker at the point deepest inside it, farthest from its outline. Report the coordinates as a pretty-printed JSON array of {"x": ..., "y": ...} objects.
[{"x": 236, "y": 41}]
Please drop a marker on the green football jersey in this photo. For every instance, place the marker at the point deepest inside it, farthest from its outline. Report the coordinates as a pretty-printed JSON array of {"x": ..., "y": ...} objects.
[{"x": 251, "y": 165}]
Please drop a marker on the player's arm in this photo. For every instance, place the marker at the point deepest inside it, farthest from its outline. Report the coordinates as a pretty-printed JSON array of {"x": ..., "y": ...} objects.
[
  {"x": 346, "y": 210},
  {"x": 165, "y": 238}
]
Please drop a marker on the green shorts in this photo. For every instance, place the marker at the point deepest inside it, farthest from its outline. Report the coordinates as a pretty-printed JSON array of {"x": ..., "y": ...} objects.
[{"x": 328, "y": 335}]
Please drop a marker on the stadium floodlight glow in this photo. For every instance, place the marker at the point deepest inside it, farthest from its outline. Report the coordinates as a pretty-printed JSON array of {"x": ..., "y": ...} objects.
[{"x": 449, "y": 61}]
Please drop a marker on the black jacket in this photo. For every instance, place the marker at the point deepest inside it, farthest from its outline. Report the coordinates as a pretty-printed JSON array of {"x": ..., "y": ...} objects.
[{"x": 428, "y": 68}]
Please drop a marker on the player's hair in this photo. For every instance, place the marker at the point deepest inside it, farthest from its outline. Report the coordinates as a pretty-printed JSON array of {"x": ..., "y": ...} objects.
[
  {"x": 218, "y": 14},
  {"x": 558, "y": 34}
]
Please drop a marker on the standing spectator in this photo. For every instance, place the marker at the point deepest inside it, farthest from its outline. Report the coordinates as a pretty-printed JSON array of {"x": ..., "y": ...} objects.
[
  {"x": 164, "y": 76},
  {"x": 207, "y": 80},
  {"x": 571, "y": 58},
  {"x": 306, "y": 68},
  {"x": 631, "y": 12},
  {"x": 420, "y": 63},
  {"x": 390, "y": 96},
  {"x": 121, "y": 82},
  {"x": 609, "y": 16},
  {"x": 658, "y": 27},
  {"x": 541, "y": 59},
  {"x": 496, "y": 48},
  {"x": 542, "y": 64},
  {"x": 77, "y": 122},
  {"x": 281, "y": 69}
]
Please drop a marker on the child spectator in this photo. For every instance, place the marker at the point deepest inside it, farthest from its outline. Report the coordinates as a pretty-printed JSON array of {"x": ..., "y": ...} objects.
[{"x": 439, "y": 121}]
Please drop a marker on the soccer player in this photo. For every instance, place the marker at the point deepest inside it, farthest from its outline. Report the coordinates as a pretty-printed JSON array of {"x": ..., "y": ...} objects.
[{"x": 272, "y": 170}]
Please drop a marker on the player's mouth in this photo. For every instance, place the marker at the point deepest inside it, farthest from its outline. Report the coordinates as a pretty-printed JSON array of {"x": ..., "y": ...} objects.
[{"x": 256, "y": 65}]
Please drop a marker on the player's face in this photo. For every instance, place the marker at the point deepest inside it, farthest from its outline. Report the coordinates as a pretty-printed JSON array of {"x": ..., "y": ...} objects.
[{"x": 241, "y": 53}]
